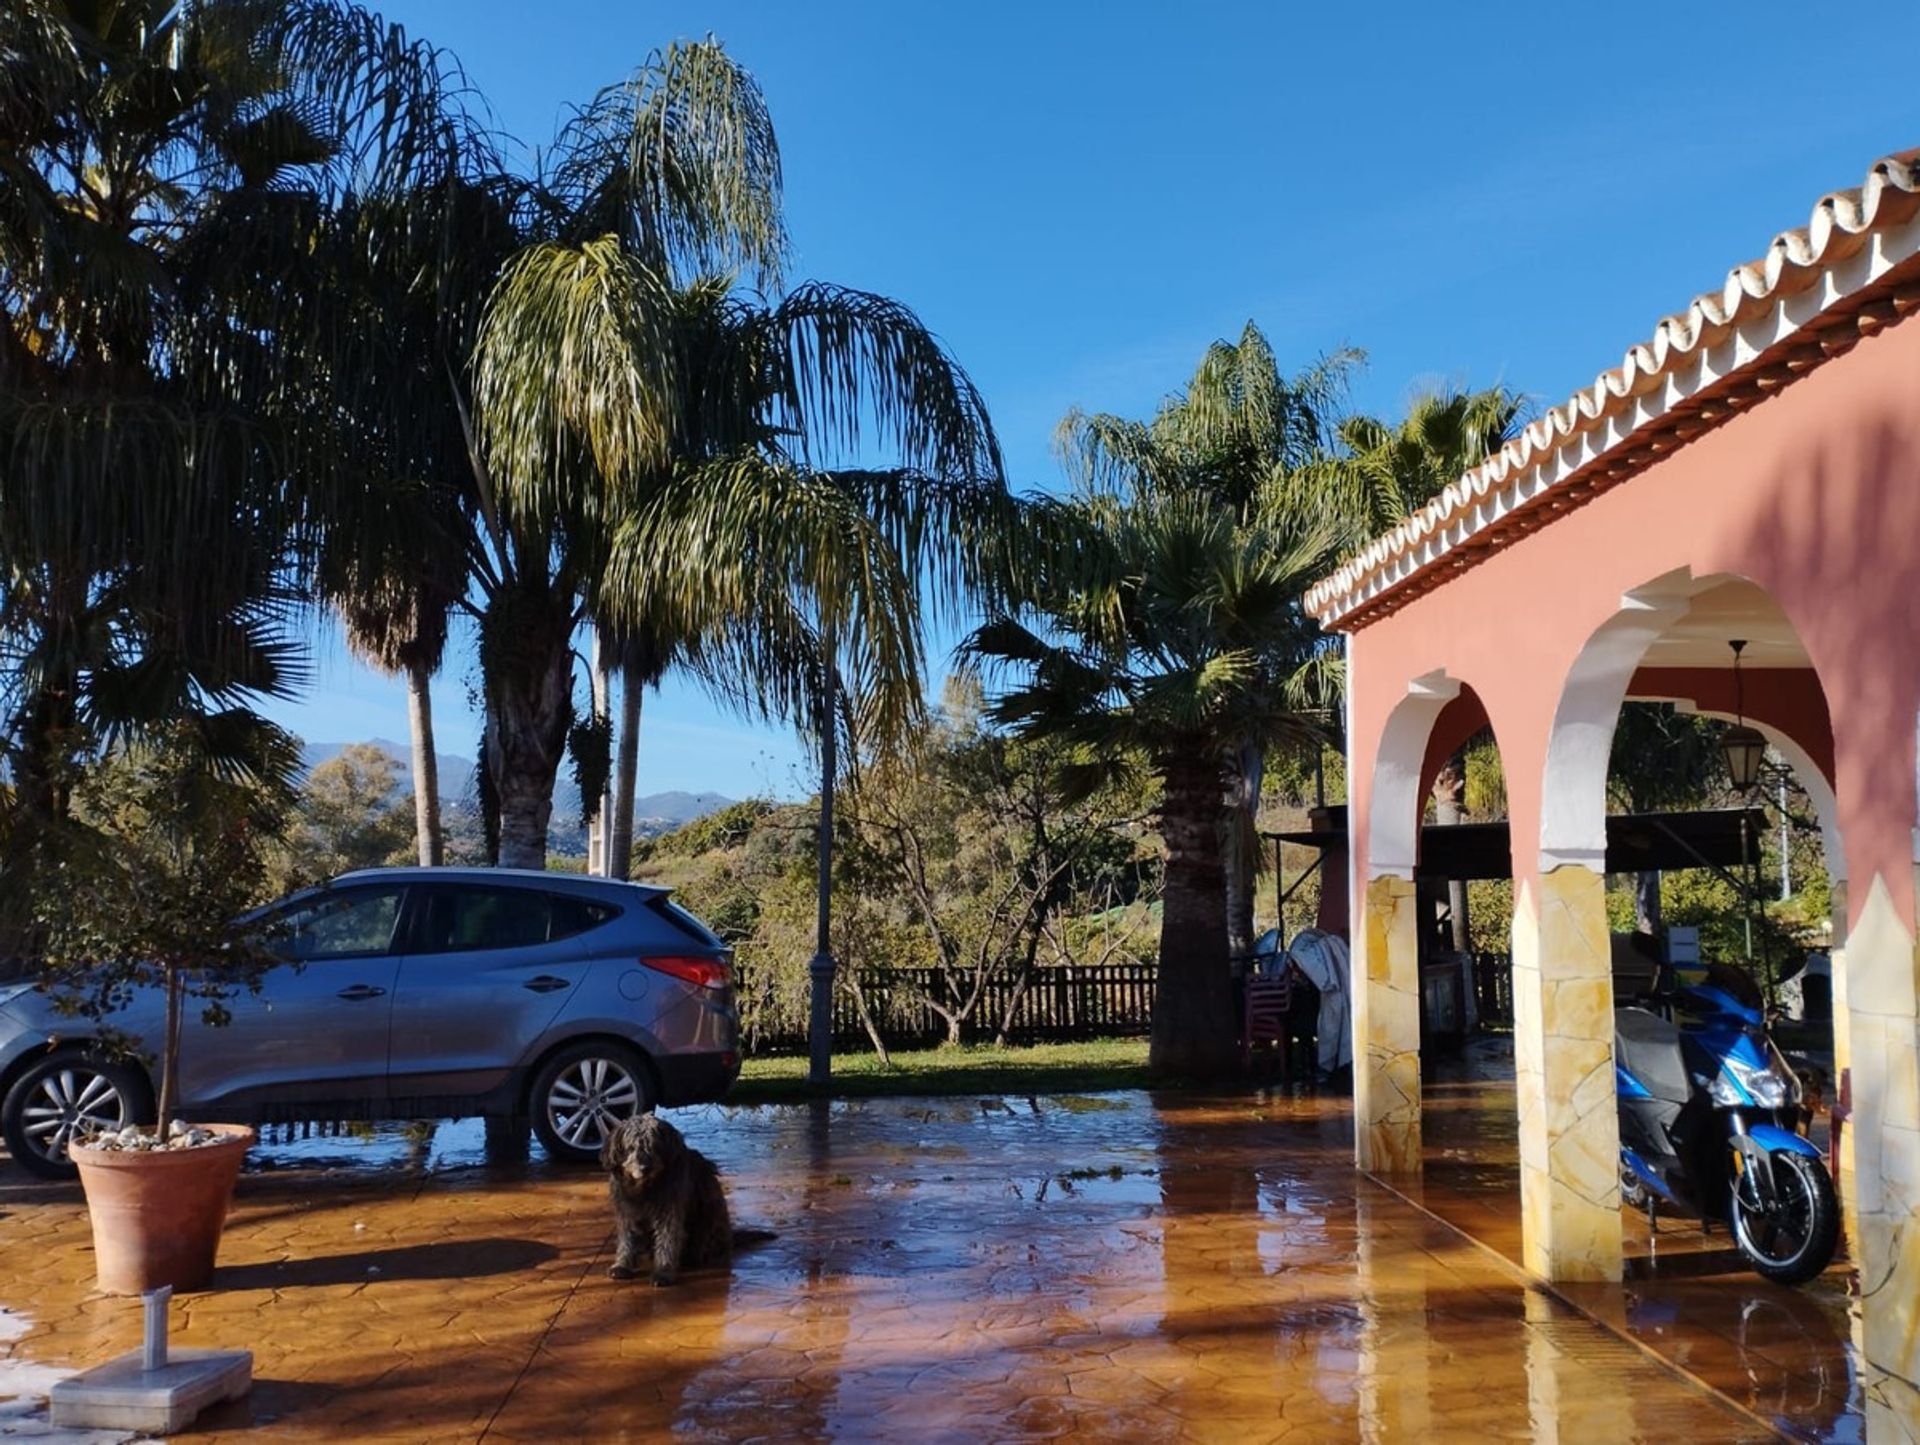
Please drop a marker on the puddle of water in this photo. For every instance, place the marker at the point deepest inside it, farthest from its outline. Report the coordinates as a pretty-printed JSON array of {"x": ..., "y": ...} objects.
[
  {"x": 1084, "y": 1103},
  {"x": 1105, "y": 1187},
  {"x": 388, "y": 1144}
]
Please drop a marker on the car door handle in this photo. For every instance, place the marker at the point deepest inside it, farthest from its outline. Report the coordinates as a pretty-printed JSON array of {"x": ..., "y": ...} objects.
[
  {"x": 362, "y": 991},
  {"x": 546, "y": 983}
]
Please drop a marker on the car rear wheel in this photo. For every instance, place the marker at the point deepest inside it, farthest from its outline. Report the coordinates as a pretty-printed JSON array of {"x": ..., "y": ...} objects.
[
  {"x": 582, "y": 1093},
  {"x": 66, "y": 1096}
]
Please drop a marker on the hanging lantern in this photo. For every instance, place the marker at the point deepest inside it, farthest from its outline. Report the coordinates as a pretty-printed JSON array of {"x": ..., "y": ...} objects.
[{"x": 1744, "y": 747}]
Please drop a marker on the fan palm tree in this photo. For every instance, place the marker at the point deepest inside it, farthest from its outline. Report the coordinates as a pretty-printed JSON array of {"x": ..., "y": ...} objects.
[
  {"x": 1384, "y": 471},
  {"x": 1170, "y": 636},
  {"x": 1240, "y": 433},
  {"x": 171, "y": 438}
]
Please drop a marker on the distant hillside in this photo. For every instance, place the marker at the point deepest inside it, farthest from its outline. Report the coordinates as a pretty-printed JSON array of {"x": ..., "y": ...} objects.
[
  {"x": 653, "y": 813},
  {"x": 456, "y": 774}
]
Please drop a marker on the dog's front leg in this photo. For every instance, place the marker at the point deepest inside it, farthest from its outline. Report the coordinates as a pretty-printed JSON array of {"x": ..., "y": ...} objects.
[
  {"x": 635, "y": 1245},
  {"x": 669, "y": 1244}
]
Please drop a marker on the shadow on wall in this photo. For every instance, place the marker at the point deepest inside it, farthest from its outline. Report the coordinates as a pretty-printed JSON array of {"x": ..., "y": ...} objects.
[{"x": 1850, "y": 550}]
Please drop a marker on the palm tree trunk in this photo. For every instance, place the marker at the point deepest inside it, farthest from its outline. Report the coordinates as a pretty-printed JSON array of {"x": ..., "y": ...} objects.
[
  {"x": 1450, "y": 807},
  {"x": 600, "y": 686},
  {"x": 1243, "y": 844},
  {"x": 46, "y": 733},
  {"x": 1646, "y": 903},
  {"x": 530, "y": 702},
  {"x": 426, "y": 767},
  {"x": 633, "y": 687},
  {"x": 1193, "y": 1015}
]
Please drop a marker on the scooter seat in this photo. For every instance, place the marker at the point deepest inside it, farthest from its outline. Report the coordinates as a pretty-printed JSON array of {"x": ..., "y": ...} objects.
[{"x": 1648, "y": 1047}]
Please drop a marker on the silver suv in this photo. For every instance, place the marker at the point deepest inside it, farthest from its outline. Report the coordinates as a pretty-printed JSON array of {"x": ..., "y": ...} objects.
[{"x": 565, "y": 1002}]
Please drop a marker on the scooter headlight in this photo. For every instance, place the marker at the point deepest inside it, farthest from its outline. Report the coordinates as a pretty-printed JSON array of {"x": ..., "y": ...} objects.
[{"x": 1742, "y": 1085}]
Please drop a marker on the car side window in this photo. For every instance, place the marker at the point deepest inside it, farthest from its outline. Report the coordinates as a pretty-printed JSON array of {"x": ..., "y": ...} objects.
[
  {"x": 468, "y": 919},
  {"x": 337, "y": 925},
  {"x": 577, "y": 915}
]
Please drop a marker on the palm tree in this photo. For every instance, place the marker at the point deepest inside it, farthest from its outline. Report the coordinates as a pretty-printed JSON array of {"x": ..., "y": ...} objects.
[
  {"x": 694, "y": 437},
  {"x": 640, "y": 665},
  {"x": 676, "y": 168},
  {"x": 398, "y": 623},
  {"x": 1241, "y": 434},
  {"x": 171, "y": 173},
  {"x": 1384, "y": 471},
  {"x": 418, "y": 540},
  {"x": 1173, "y": 637}
]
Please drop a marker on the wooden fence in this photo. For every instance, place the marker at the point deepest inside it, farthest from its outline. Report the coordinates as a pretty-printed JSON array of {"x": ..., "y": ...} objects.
[{"x": 1060, "y": 1004}]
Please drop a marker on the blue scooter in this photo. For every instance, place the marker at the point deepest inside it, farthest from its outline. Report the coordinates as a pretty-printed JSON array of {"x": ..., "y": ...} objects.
[{"x": 1710, "y": 1122}]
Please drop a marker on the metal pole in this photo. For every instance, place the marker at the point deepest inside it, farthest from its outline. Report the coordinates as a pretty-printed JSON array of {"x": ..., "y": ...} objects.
[
  {"x": 820, "y": 1016},
  {"x": 1746, "y": 856},
  {"x": 1786, "y": 865},
  {"x": 1280, "y": 893}
]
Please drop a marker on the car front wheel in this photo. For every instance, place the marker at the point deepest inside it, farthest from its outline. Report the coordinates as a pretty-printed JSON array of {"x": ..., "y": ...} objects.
[
  {"x": 582, "y": 1093},
  {"x": 64, "y": 1097}
]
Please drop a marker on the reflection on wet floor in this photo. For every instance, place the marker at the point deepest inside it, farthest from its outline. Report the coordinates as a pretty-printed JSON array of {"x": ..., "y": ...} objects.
[
  {"x": 986, "y": 1268},
  {"x": 1784, "y": 1354}
]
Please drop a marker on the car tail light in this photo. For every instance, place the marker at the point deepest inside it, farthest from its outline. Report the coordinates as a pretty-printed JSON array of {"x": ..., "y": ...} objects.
[{"x": 700, "y": 972}]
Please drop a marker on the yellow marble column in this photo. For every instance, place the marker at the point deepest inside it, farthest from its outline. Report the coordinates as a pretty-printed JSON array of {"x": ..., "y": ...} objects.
[
  {"x": 1563, "y": 1077},
  {"x": 1881, "y": 1173},
  {"x": 1386, "y": 1031},
  {"x": 1842, "y": 1065}
]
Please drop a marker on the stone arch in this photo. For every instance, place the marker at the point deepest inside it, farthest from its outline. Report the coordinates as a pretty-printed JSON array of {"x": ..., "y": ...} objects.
[
  {"x": 1671, "y": 632},
  {"x": 1573, "y": 792},
  {"x": 1386, "y": 997},
  {"x": 1393, "y": 811}
]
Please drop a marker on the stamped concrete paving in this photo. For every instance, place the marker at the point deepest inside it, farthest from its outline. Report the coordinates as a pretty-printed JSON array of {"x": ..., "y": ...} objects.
[{"x": 968, "y": 1269}]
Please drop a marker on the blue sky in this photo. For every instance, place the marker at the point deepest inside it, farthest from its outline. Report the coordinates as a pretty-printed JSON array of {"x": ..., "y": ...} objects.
[{"x": 1080, "y": 196}]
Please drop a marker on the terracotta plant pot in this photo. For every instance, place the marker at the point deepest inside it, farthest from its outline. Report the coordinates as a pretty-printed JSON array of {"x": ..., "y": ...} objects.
[{"x": 157, "y": 1215}]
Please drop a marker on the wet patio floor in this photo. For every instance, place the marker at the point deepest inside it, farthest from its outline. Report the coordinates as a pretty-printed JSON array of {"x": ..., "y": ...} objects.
[
  {"x": 1782, "y": 1355},
  {"x": 1111, "y": 1266}
]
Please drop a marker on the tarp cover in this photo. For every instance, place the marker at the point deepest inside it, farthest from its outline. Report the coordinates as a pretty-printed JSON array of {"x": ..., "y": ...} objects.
[{"x": 1322, "y": 957}]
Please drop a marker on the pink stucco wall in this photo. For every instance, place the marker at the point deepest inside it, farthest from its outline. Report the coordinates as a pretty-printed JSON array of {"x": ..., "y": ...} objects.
[{"x": 1813, "y": 494}]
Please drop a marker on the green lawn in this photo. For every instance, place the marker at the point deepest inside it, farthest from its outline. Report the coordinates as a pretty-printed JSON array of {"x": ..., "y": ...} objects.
[{"x": 982, "y": 1069}]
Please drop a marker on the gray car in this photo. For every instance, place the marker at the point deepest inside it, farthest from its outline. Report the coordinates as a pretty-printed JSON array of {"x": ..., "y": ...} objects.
[{"x": 563, "y": 1002}]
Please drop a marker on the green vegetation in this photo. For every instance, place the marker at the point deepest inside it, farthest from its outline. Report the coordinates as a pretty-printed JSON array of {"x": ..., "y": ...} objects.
[
  {"x": 1059, "y": 1069},
  {"x": 961, "y": 853},
  {"x": 154, "y": 870}
]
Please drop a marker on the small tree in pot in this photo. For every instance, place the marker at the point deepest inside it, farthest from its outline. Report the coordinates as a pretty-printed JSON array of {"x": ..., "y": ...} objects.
[{"x": 149, "y": 889}]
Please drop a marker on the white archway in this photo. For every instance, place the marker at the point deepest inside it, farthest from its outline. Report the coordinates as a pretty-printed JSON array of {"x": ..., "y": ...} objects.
[
  {"x": 1393, "y": 812},
  {"x": 1573, "y": 792}
]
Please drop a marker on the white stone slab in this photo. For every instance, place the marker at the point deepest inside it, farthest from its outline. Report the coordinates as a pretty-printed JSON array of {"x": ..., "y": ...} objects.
[{"x": 121, "y": 1395}]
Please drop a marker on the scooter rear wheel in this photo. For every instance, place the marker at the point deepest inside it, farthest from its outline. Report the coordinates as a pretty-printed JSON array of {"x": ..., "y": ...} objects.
[{"x": 1796, "y": 1241}]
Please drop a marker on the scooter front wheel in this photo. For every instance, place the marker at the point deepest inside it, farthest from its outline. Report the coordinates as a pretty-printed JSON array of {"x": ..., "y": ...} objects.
[{"x": 1795, "y": 1240}]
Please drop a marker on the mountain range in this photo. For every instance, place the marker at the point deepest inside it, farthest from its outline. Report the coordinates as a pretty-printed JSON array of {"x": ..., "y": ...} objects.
[{"x": 653, "y": 813}]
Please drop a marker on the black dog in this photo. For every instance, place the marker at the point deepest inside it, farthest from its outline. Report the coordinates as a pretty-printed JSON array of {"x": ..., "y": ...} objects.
[{"x": 668, "y": 1202}]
